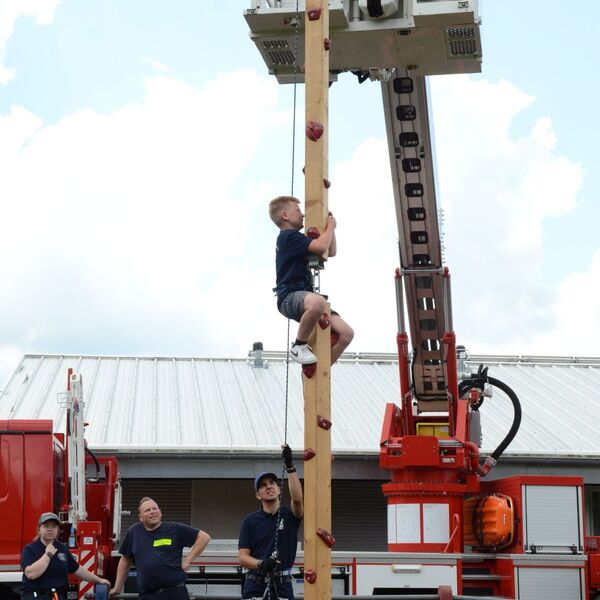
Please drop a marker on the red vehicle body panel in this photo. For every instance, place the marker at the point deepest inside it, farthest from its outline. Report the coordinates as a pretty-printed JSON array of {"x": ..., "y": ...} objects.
[{"x": 27, "y": 482}]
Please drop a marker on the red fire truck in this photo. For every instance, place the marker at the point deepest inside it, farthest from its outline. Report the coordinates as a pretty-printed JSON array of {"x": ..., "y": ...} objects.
[{"x": 42, "y": 470}]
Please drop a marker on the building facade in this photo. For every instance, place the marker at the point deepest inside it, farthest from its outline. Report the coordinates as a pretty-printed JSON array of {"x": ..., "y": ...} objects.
[{"x": 193, "y": 432}]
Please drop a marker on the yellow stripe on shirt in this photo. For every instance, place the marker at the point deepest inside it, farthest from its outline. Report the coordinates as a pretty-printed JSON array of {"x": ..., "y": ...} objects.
[{"x": 162, "y": 542}]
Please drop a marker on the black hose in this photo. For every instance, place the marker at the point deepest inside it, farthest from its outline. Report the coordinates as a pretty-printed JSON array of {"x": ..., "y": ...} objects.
[
  {"x": 478, "y": 380},
  {"x": 95, "y": 461},
  {"x": 516, "y": 418}
]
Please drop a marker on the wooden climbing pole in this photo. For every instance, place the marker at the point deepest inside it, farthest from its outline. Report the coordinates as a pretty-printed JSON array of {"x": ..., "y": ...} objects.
[{"x": 317, "y": 386}]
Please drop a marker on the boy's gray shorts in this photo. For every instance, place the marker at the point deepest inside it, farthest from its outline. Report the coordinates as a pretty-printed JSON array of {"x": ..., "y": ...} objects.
[{"x": 292, "y": 306}]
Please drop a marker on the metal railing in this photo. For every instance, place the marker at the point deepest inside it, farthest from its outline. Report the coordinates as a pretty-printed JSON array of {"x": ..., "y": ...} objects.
[{"x": 386, "y": 597}]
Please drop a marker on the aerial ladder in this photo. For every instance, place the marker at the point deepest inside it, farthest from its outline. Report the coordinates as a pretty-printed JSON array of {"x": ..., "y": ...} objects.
[
  {"x": 91, "y": 504},
  {"x": 459, "y": 532}
]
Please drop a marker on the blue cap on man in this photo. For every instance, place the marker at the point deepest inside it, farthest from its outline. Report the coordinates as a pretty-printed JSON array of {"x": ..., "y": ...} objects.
[{"x": 262, "y": 476}]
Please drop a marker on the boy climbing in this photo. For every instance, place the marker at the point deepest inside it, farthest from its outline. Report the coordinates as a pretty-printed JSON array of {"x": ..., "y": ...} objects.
[{"x": 295, "y": 298}]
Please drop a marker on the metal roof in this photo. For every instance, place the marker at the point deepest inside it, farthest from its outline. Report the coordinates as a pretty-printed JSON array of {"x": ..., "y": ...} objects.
[{"x": 224, "y": 406}]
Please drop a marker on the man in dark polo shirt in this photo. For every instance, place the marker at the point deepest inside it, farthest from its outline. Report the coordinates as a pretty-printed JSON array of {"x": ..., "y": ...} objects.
[
  {"x": 157, "y": 549},
  {"x": 269, "y": 536}
]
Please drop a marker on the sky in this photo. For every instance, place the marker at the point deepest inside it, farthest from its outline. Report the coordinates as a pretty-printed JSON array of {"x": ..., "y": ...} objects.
[{"x": 141, "y": 141}]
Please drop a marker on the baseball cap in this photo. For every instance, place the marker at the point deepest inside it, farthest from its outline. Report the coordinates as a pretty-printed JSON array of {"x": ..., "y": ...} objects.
[
  {"x": 45, "y": 517},
  {"x": 262, "y": 476}
]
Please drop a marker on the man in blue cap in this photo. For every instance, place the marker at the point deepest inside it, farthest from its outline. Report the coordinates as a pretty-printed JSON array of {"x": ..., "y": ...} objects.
[{"x": 269, "y": 537}]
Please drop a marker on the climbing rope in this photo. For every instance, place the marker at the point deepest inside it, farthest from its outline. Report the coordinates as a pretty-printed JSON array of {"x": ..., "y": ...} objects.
[
  {"x": 296, "y": 24},
  {"x": 278, "y": 516},
  {"x": 287, "y": 387}
]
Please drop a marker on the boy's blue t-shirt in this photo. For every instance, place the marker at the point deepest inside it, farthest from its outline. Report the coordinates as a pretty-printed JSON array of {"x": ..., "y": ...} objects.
[
  {"x": 157, "y": 553},
  {"x": 56, "y": 574},
  {"x": 293, "y": 273}
]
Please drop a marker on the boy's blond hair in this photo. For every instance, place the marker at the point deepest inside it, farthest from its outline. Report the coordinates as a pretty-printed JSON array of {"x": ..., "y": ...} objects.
[{"x": 278, "y": 205}]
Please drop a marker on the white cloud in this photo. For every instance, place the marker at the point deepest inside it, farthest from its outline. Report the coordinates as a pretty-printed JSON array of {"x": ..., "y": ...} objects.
[
  {"x": 9, "y": 359},
  {"x": 10, "y": 10},
  {"x": 360, "y": 278},
  {"x": 16, "y": 129},
  {"x": 156, "y": 65},
  {"x": 576, "y": 314},
  {"x": 119, "y": 227},
  {"x": 146, "y": 230},
  {"x": 497, "y": 191}
]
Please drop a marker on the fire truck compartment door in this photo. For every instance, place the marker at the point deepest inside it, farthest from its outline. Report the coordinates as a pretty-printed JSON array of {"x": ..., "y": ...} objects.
[
  {"x": 405, "y": 576},
  {"x": 549, "y": 583},
  {"x": 552, "y": 519}
]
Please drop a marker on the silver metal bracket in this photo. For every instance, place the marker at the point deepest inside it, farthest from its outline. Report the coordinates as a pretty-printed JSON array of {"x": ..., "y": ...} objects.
[{"x": 315, "y": 278}]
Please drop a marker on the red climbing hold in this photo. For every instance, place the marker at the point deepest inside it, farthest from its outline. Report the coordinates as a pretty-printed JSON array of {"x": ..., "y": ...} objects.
[
  {"x": 309, "y": 453},
  {"x": 323, "y": 423},
  {"x": 314, "y": 130},
  {"x": 324, "y": 321},
  {"x": 327, "y": 43},
  {"x": 326, "y": 537},
  {"x": 310, "y": 575},
  {"x": 314, "y": 14},
  {"x": 313, "y": 233},
  {"x": 309, "y": 370}
]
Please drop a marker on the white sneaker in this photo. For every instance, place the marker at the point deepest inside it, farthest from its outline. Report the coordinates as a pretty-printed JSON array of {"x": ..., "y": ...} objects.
[{"x": 302, "y": 353}]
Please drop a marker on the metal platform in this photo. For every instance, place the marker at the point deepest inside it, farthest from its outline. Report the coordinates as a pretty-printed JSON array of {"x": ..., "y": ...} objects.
[{"x": 429, "y": 38}]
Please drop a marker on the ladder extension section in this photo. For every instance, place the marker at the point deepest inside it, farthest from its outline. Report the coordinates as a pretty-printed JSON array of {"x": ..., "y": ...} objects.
[
  {"x": 76, "y": 449},
  {"x": 428, "y": 306}
]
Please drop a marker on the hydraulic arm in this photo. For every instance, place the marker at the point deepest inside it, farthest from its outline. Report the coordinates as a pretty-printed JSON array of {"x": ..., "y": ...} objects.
[{"x": 425, "y": 283}]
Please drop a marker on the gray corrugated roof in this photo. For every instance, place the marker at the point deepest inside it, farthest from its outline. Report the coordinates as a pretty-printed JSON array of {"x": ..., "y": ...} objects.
[{"x": 220, "y": 405}]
